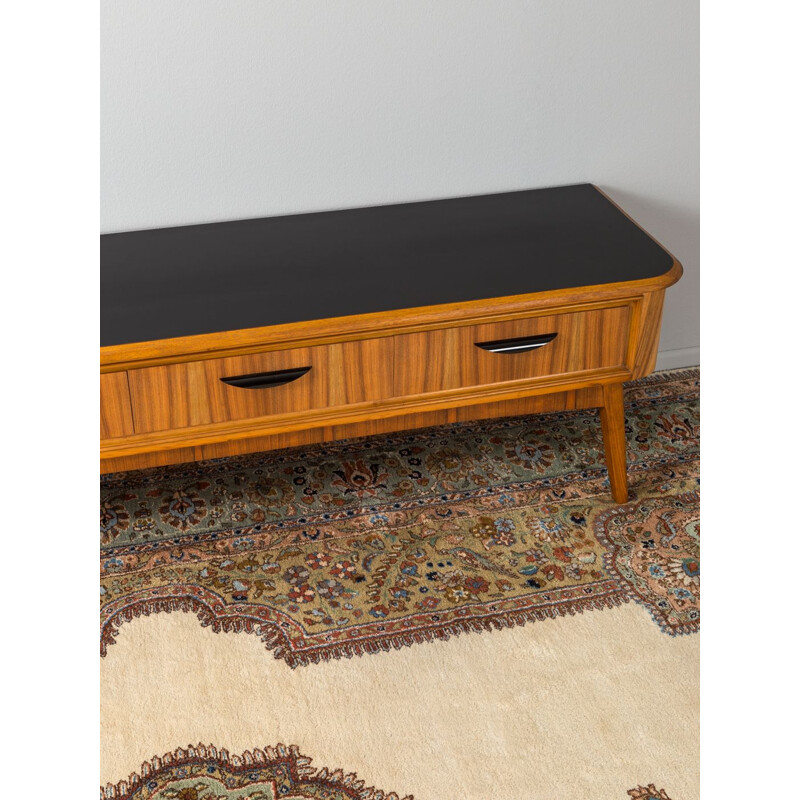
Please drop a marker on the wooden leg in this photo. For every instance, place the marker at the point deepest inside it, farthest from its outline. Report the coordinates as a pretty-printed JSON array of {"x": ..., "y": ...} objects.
[{"x": 612, "y": 417}]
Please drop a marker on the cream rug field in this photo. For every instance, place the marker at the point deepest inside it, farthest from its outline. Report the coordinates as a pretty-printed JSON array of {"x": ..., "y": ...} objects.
[
  {"x": 587, "y": 706},
  {"x": 454, "y": 613}
]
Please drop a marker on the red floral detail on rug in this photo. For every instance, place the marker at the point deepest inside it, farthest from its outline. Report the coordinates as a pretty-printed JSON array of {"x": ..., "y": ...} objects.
[
  {"x": 183, "y": 508},
  {"x": 654, "y": 548},
  {"x": 114, "y": 520},
  {"x": 202, "y": 772},
  {"x": 360, "y": 479}
]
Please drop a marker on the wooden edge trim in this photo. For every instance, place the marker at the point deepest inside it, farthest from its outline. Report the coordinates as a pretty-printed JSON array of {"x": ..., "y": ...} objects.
[
  {"x": 357, "y": 412},
  {"x": 632, "y": 342},
  {"x": 574, "y": 400},
  {"x": 385, "y": 323}
]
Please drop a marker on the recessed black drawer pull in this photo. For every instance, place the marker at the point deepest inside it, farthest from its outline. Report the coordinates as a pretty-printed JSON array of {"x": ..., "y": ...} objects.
[
  {"x": 519, "y": 345},
  {"x": 264, "y": 380}
]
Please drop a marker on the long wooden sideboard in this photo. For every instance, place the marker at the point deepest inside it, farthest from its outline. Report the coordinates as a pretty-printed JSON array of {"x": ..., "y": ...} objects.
[{"x": 236, "y": 337}]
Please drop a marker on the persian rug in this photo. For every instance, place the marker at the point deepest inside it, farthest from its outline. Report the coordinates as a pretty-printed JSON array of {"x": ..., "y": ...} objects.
[
  {"x": 366, "y": 545},
  {"x": 386, "y": 548}
]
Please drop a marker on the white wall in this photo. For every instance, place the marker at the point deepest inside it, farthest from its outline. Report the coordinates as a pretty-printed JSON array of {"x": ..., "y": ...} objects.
[{"x": 226, "y": 109}]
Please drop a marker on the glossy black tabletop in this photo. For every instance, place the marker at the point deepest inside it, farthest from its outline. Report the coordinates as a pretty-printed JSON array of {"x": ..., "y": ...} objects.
[{"x": 167, "y": 282}]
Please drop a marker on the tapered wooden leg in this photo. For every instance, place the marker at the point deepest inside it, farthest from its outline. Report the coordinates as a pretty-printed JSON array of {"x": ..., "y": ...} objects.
[{"x": 612, "y": 417}]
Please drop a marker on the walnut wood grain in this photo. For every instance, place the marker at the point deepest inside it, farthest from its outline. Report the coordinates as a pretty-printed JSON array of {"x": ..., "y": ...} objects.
[
  {"x": 450, "y": 358},
  {"x": 646, "y": 332},
  {"x": 192, "y": 393},
  {"x": 115, "y": 406},
  {"x": 542, "y": 404},
  {"x": 612, "y": 418},
  {"x": 249, "y": 428},
  {"x": 182, "y": 412}
]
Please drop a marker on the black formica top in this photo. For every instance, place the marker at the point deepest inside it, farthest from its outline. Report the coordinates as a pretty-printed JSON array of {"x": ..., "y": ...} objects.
[{"x": 168, "y": 282}]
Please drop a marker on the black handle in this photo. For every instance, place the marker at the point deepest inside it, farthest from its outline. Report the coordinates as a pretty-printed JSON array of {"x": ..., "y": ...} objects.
[
  {"x": 263, "y": 380},
  {"x": 519, "y": 345}
]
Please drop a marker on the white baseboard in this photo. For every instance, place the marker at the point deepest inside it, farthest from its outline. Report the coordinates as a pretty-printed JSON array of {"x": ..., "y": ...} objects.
[{"x": 674, "y": 359}]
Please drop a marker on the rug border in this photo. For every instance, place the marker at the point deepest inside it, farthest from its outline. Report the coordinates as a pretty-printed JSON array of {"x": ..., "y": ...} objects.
[
  {"x": 213, "y": 612},
  {"x": 265, "y": 756},
  {"x": 610, "y": 563}
]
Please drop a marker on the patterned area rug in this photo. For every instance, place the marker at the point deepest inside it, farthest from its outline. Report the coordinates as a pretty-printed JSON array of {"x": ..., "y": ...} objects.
[{"x": 376, "y": 543}]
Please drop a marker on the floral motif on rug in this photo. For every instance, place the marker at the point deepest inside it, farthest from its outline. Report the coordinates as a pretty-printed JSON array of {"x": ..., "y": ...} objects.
[
  {"x": 654, "y": 548},
  {"x": 648, "y": 793},
  {"x": 205, "y": 773},
  {"x": 376, "y": 543}
]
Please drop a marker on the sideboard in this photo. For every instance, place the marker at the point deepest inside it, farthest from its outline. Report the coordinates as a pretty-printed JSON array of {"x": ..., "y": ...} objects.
[{"x": 237, "y": 337}]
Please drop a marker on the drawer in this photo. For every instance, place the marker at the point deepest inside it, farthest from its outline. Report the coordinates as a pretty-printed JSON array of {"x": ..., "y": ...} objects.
[
  {"x": 259, "y": 385},
  {"x": 537, "y": 347},
  {"x": 115, "y": 406}
]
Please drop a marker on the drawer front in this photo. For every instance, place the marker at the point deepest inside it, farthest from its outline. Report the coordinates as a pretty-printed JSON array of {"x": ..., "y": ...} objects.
[
  {"x": 259, "y": 385},
  {"x": 115, "y": 406},
  {"x": 537, "y": 347}
]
